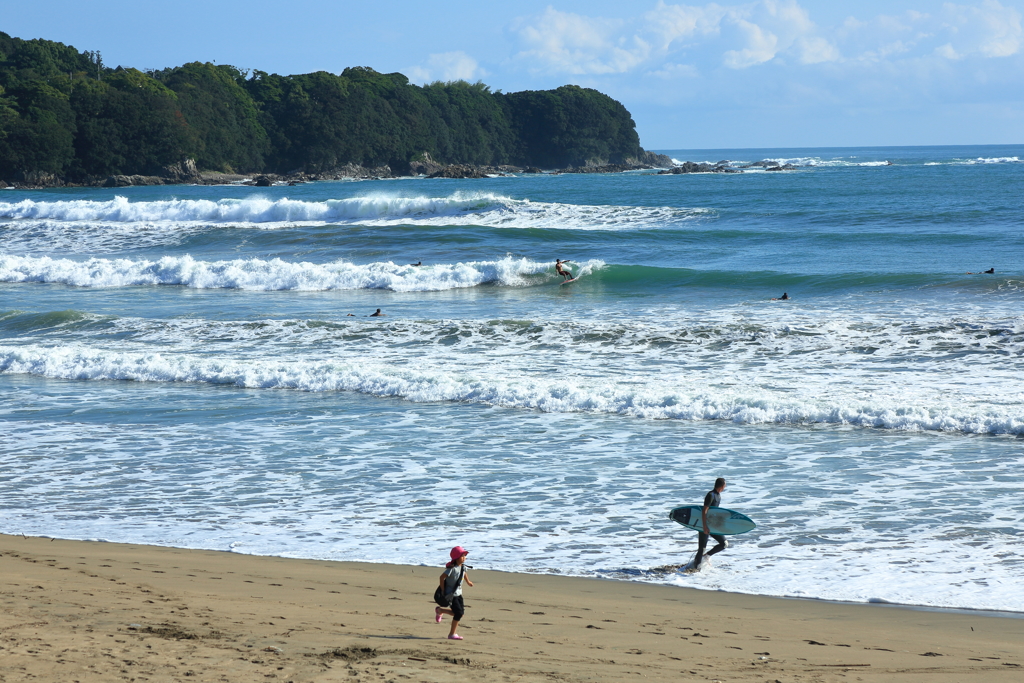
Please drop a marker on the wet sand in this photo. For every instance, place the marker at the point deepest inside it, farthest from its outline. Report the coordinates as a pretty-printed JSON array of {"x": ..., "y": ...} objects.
[{"x": 82, "y": 611}]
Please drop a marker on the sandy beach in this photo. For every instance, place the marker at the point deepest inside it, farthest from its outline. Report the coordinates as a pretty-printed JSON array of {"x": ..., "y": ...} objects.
[{"x": 84, "y": 611}]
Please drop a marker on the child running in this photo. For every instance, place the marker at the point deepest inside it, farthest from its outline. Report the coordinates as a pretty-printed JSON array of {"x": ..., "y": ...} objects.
[{"x": 451, "y": 583}]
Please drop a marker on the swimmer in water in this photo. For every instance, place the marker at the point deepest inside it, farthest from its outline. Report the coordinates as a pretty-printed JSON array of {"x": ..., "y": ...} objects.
[
  {"x": 784, "y": 297},
  {"x": 418, "y": 263},
  {"x": 377, "y": 314},
  {"x": 564, "y": 272},
  {"x": 990, "y": 271}
]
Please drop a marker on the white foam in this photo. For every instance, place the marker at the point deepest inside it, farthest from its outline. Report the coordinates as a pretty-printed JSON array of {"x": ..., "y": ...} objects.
[
  {"x": 993, "y": 160},
  {"x": 459, "y": 208},
  {"x": 840, "y": 515},
  {"x": 564, "y": 370},
  {"x": 827, "y": 163},
  {"x": 275, "y": 274},
  {"x": 975, "y": 162},
  {"x": 797, "y": 161}
]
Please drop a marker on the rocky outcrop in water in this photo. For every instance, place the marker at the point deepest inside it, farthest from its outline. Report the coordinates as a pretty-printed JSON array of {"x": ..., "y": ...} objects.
[
  {"x": 459, "y": 171},
  {"x": 694, "y": 167},
  {"x": 651, "y": 160},
  {"x": 130, "y": 180},
  {"x": 606, "y": 168},
  {"x": 424, "y": 165},
  {"x": 181, "y": 172}
]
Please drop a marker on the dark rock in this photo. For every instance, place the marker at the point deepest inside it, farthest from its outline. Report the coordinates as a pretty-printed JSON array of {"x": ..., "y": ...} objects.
[
  {"x": 694, "y": 167},
  {"x": 532, "y": 169},
  {"x": 181, "y": 172},
  {"x": 215, "y": 178},
  {"x": 760, "y": 164},
  {"x": 459, "y": 171},
  {"x": 424, "y": 165},
  {"x": 350, "y": 170},
  {"x": 3, "y": 185},
  {"x": 130, "y": 180},
  {"x": 776, "y": 167},
  {"x": 39, "y": 179},
  {"x": 648, "y": 160},
  {"x": 688, "y": 167},
  {"x": 262, "y": 181},
  {"x": 607, "y": 168},
  {"x": 656, "y": 160}
]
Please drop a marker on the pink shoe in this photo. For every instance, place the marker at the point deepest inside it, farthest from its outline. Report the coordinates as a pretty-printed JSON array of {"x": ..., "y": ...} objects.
[
  {"x": 455, "y": 636},
  {"x": 438, "y": 614}
]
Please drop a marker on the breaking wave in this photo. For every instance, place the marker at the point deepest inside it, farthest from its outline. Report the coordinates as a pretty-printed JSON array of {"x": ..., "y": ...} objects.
[
  {"x": 808, "y": 162},
  {"x": 495, "y": 385},
  {"x": 276, "y": 274},
  {"x": 378, "y": 209}
]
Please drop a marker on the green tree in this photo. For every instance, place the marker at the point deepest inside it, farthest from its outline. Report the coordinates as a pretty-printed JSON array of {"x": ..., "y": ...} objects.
[{"x": 222, "y": 119}]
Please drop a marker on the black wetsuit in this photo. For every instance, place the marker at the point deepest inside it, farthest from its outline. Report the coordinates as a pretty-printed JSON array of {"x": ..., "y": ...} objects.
[{"x": 712, "y": 500}]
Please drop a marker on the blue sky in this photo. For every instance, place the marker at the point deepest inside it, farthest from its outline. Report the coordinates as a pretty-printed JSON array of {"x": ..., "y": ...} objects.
[{"x": 768, "y": 73}]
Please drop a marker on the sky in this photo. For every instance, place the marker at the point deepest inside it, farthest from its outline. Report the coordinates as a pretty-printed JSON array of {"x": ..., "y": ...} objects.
[{"x": 768, "y": 73}]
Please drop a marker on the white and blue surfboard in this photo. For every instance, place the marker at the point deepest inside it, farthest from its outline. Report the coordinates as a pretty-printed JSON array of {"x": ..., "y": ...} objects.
[{"x": 720, "y": 520}]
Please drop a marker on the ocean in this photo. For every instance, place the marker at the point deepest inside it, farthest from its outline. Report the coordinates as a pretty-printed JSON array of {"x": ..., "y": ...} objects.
[{"x": 194, "y": 366}]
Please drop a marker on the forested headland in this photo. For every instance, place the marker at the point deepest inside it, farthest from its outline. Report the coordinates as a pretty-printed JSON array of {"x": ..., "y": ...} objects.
[{"x": 65, "y": 117}]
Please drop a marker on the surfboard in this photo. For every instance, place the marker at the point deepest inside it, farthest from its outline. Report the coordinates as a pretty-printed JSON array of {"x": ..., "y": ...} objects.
[
  {"x": 720, "y": 520},
  {"x": 565, "y": 282}
]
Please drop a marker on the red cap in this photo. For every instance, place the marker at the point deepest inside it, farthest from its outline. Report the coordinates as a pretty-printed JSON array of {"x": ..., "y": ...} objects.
[{"x": 458, "y": 551}]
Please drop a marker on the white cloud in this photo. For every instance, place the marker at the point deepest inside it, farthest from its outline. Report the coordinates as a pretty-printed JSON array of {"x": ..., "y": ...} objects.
[
  {"x": 683, "y": 23},
  {"x": 791, "y": 56},
  {"x": 746, "y": 35},
  {"x": 815, "y": 50},
  {"x": 988, "y": 29},
  {"x": 571, "y": 43},
  {"x": 737, "y": 36},
  {"x": 447, "y": 66},
  {"x": 761, "y": 46}
]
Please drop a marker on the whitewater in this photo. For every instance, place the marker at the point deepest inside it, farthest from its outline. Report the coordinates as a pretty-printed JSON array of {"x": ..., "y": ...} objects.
[{"x": 198, "y": 367}]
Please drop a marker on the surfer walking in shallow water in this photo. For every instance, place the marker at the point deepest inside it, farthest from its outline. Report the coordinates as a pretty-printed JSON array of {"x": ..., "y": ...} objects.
[
  {"x": 713, "y": 499},
  {"x": 564, "y": 272}
]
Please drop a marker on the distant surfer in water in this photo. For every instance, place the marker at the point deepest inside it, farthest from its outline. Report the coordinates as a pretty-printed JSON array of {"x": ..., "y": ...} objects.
[
  {"x": 417, "y": 264},
  {"x": 377, "y": 314},
  {"x": 564, "y": 272},
  {"x": 784, "y": 297},
  {"x": 713, "y": 499},
  {"x": 990, "y": 271}
]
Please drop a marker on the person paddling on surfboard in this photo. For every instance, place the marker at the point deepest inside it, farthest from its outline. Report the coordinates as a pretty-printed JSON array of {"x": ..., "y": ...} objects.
[
  {"x": 713, "y": 499},
  {"x": 564, "y": 272}
]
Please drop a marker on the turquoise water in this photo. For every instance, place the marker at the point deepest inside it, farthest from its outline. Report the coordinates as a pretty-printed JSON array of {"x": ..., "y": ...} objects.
[{"x": 178, "y": 367}]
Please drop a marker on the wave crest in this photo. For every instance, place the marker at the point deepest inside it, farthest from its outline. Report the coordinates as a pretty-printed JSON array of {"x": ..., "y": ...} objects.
[
  {"x": 655, "y": 401},
  {"x": 379, "y": 209},
  {"x": 276, "y": 274}
]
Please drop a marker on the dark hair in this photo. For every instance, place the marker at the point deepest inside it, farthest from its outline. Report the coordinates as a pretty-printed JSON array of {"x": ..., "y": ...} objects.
[{"x": 719, "y": 482}]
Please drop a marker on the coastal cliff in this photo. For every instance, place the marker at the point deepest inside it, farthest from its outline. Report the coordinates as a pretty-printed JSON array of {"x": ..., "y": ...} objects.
[{"x": 68, "y": 119}]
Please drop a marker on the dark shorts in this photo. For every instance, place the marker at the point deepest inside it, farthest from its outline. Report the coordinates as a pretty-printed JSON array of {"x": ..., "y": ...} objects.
[{"x": 458, "y": 608}]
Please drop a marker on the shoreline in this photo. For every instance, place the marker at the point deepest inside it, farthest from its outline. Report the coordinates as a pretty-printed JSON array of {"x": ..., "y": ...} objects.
[
  {"x": 96, "y": 611},
  {"x": 966, "y": 611}
]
